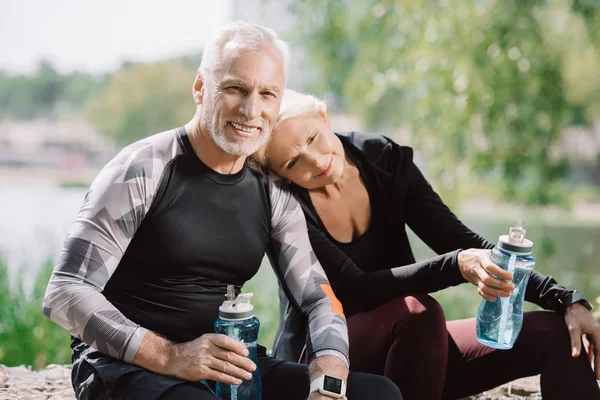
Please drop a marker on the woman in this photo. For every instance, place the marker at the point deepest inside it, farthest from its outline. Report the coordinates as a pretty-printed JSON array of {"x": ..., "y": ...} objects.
[{"x": 358, "y": 192}]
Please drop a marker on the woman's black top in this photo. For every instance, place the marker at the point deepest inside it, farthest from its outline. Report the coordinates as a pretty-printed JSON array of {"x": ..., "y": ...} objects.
[{"x": 379, "y": 265}]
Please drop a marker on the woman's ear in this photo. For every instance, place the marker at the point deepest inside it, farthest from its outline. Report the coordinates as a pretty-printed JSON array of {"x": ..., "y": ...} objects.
[{"x": 323, "y": 115}]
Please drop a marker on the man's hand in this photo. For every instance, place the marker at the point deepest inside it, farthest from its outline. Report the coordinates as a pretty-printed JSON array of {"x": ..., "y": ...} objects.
[
  {"x": 476, "y": 267},
  {"x": 211, "y": 356},
  {"x": 580, "y": 321}
]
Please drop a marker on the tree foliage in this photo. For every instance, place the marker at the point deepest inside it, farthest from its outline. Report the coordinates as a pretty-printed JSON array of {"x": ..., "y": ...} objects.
[
  {"x": 487, "y": 84},
  {"x": 45, "y": 94},
  {"x": 142, "y": 99}
]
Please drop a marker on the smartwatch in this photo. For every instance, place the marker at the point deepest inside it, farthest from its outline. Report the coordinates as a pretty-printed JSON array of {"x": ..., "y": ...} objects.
[
  {"x": 573, "y": 298},
  {"x": 329, "y": 386}
]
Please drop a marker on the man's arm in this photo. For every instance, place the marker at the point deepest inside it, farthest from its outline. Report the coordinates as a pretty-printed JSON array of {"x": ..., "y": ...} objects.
[
  {"x": 113, "y": 209},
  {"x": 307, "y": 285}
]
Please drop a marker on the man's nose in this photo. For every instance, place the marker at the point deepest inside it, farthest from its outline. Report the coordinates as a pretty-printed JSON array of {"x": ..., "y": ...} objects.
[{"x": 250, "y": 106}]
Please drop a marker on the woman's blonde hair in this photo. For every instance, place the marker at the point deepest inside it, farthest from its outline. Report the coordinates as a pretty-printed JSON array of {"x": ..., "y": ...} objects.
[{"x": 293, "y": 104}]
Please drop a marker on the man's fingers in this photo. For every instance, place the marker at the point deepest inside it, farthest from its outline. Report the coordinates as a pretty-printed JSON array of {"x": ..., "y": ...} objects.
[
  {"x": 575, "y": 334},
  {"x": 219, "y": 376},
  {"x": 235, "y": 359},
  {"x": 229, "y": 369},
  {"x": 225, "y": 342}
]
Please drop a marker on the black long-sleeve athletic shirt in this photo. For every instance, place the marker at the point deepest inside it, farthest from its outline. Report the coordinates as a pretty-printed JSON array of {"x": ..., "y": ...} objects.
[{"x": 160, "y": 236}]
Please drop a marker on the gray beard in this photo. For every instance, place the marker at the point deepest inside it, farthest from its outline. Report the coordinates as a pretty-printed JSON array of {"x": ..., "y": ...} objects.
[{"x": 235, "y": 148}]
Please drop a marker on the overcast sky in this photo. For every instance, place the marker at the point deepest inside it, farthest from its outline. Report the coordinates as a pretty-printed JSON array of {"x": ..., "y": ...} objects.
[{"x": 95, "y": 36}]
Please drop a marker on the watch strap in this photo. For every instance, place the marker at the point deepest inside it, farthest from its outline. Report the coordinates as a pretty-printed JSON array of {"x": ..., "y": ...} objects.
[{"x": 316, "y": 384}]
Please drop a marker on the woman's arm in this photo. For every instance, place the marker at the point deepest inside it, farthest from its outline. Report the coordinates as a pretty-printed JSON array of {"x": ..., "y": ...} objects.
[
  {"x": 441, "y": 230},
  {"x": 361, "y": 291}
]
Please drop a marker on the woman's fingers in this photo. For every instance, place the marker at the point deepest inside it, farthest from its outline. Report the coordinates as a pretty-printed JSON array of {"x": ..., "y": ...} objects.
[
  {"x": 492, "y": 285},
  {"x": 491, "y": 280}
]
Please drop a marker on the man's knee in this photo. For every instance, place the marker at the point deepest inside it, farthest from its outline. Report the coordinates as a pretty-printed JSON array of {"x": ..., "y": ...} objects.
[{"x": 368, "y": 387}]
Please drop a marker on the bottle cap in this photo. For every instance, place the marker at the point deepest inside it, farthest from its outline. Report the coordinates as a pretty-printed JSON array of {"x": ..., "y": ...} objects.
[
  {"x": 236, "y": 308},
  {"x": 515, "y": 241}
]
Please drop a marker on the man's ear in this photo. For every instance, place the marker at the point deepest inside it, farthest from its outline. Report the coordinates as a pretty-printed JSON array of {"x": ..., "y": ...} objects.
[
  {"x": 198, "y": 88},
  {"x": 324, "y": 117}
]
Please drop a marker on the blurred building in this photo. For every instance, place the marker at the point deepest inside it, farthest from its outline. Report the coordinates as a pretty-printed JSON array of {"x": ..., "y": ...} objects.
[{"x": 53, "y": 144}]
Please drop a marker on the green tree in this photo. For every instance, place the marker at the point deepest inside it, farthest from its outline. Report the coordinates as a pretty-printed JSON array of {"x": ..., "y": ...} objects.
[
  {"x": 142, "y": 99},
  {"x": 45, "y": 94},
  {"x": 479, "y": 83}
]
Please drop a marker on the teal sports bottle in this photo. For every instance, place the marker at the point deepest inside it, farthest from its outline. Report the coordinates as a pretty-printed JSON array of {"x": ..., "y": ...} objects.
[
  {"x": 499, "y": 323},
  {"x": 237, "y": 320}
]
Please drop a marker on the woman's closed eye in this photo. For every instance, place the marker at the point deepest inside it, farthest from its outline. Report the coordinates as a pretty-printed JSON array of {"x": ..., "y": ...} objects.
[{"x": 292, "y": 162}]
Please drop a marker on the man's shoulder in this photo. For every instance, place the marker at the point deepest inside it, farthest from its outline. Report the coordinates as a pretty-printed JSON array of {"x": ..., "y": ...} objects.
[
  {"x": 145, "y": 158},
  {"x": 160, "y": 147}
]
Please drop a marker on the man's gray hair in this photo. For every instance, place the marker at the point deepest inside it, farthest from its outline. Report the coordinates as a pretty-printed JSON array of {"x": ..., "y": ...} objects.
[{"x": 240, "y": 36}]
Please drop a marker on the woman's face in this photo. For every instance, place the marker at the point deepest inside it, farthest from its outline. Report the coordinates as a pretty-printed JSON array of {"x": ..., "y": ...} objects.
[{"x": 305, "y": 151}]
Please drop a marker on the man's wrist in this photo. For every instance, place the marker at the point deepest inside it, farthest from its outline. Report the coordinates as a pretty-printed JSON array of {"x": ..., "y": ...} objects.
[
  {"x": 154, "y": 353},
  {"x": 328, "y": 365},
  {"x": 329, "y": 386}
]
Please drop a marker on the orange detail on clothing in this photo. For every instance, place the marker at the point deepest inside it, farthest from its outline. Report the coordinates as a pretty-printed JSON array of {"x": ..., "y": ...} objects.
[{"x": 336, "y": 305}]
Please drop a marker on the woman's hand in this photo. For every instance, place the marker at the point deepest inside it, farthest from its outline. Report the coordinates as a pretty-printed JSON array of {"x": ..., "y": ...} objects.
[
  {"x": 580, "y": 321},
  {"x": 476, "y": 267}
]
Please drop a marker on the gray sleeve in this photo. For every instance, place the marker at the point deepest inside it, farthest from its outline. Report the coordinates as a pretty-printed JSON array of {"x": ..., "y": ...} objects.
[
  {"x": 303, "y": 277},
  {"x": 112, "y": 211}
]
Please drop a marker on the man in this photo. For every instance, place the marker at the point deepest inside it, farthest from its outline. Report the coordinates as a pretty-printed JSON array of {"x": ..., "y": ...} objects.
[{"x": 169, "y": 223}]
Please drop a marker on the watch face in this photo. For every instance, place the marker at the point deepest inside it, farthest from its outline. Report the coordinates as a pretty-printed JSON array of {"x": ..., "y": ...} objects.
[{"x": 333, "y": 385}]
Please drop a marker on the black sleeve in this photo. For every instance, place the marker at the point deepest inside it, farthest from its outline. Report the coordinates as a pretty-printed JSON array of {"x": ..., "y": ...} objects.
[
  {"x": 361, "y": 291},
  {"x": 432, "y": 220},
  {"x": 439, "y": 228},
  {"x": 545, "y": 291}
]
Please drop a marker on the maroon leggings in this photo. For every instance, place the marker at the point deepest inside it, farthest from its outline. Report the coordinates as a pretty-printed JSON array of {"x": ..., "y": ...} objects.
[{"x": 409, "y": 341}]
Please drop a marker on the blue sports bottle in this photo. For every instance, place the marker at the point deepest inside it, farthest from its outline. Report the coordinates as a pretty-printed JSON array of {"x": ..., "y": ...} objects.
[
  {"x": 499, "y": 323},
  {"x": 237, "y": 320}
]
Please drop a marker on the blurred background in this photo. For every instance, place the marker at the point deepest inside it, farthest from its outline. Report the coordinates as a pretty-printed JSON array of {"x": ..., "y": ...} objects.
[{"x": 499, "y": 98}]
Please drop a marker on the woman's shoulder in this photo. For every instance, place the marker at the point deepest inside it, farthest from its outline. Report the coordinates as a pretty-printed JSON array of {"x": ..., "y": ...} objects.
[{"x": 378, "y": 149}]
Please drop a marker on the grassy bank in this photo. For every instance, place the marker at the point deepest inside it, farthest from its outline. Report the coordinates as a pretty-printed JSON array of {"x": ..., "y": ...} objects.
[{"x": 26, "y": 335}]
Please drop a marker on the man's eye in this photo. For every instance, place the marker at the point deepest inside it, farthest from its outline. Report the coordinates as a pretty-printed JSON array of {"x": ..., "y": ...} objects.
[
  {"x": 268, "y": 94},
  {"x": 292, "y": 163}
]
